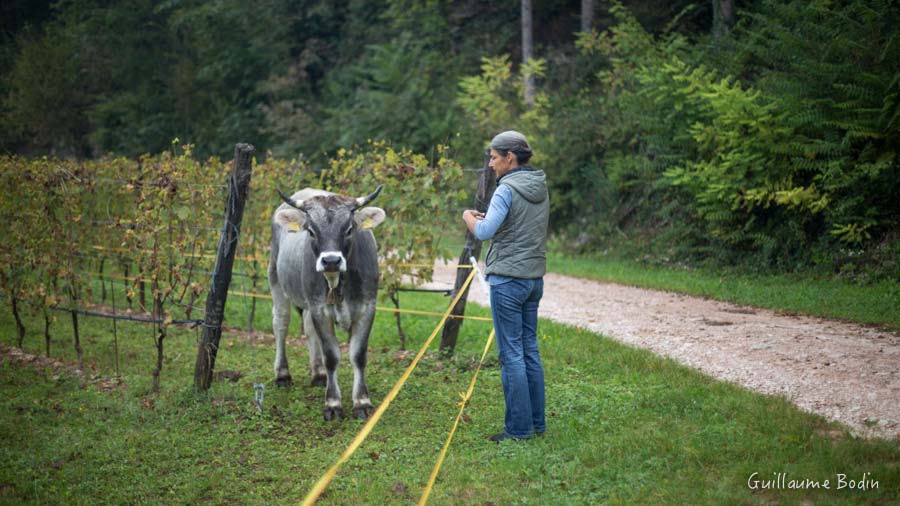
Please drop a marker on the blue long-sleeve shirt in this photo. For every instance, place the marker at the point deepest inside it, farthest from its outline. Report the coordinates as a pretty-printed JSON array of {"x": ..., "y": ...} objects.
[{"x": 495, "y": 216}]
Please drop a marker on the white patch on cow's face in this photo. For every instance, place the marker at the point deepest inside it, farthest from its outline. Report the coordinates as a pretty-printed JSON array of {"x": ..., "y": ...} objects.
[{"x": 320, "y": 263}]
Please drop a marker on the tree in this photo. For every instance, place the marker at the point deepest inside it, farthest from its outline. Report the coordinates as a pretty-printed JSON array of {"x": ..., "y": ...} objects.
[
  {"x": 723, "y": 17},
  {"x": 47, "y": 102},
  {"x": 587, "y": 15},
  {"x": 527, "y": 51}
]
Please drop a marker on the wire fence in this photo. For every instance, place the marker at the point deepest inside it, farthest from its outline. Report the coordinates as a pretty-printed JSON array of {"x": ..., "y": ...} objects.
[
  {"x": 106, "y": 269},
  {"x": 111, "y": 247}
]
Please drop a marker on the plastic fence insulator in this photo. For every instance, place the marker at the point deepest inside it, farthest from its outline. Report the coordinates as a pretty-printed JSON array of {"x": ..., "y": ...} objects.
[
  {"x": 259, "y": 395},
  {"x": 481, "y": 280}
]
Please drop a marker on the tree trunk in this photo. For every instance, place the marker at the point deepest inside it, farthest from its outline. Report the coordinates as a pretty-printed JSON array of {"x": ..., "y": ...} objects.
[
  {"x": 159, "y": 338},
  {"x": 20, "y": 327},
  {"x": 102, "y": 280},
  {"x": 77, "y": 338},
  {"x": 727, "y": 11},
  {"x": 189, "y": 308},
  {"x": 112, "y": 292},
  {"x": 142, "y": 290},
  {"x": 587, "y": 15},
  {"x": 254, "y": 282},
  {"x": 47, "y": 322},
  {"x": 127, "y": 269},
  {"x": 527, "y": 51},
  {"x": 395, "y": 298},
  {"x": 723, "y": 17}
]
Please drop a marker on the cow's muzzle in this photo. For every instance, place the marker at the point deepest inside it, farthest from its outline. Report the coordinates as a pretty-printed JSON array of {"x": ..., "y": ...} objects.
[{"x": 331, "y": 262}]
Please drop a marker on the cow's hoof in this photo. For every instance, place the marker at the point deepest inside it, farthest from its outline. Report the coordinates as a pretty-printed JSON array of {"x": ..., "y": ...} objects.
[
  {"x": 335, "y": 413},
  {"x": 363, "y": 411},
  {"x": 319, "y": 381},
  {"x": 284, "y": 381}
]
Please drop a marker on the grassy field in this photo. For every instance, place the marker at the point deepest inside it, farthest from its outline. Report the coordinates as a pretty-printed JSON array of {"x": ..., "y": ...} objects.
[
  {"x": 625, "y": 427},
  {"x": 874, "y": 304}
]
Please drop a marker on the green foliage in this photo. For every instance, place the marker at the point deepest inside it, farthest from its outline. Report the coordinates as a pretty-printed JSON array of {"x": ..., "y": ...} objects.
[
  {"x": 799, "y": 150},
  {"x": 415, "y": 193},
  {"x": 47, "y": 97},
  {"x": 173, "y": 199},
  {"x": 399, "y": 94},
  {"x": 158, "y": 220},
  {"x": 131, "y": 76},
  {"x": 771, "y": 144},
  {"x": 21, "y": 253},
  {"x": 224, "y": 49},
  {"x": 843, "y": 107},
  {"x": 495, "y": 101}
]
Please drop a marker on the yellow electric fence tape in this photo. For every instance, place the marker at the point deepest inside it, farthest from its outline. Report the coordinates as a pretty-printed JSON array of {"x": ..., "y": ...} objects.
[
  {"x": 250, "y": 294},
  {"x": 323, "y": 482},
  {"x": 267, "y": 296},
  {"x": 429, "y": 313},
  {"x": 462, "y": 406}
]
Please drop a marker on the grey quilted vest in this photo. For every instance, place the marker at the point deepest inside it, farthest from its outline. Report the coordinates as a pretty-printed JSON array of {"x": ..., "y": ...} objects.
[{"x": 519, "y": 248}]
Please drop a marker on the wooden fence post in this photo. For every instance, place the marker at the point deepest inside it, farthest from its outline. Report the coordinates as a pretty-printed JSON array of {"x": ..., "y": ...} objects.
[
  {"x": 239, "y": 184},
  {"x": 472, "y": 249}
]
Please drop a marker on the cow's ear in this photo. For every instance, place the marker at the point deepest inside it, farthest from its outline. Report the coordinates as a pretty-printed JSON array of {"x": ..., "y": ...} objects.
[
  {"x": 369, "y": 217},
  {"x": 290, "y": 220}
]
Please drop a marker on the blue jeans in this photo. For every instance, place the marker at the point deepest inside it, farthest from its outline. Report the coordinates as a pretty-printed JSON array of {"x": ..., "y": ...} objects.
[{"x": 514, "y": 306}]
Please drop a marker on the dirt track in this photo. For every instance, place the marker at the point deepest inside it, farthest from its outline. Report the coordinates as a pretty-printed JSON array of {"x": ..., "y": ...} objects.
[{"x": 842, "y": 371}]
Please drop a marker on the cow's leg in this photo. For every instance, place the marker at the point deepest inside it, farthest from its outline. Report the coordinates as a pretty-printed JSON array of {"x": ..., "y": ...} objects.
[
  {"x": 281, "y": 320},
  {"x": 359, "y": 344},
  {"x": 316, "y": 360},
  {"x": 319, "y": 325}
]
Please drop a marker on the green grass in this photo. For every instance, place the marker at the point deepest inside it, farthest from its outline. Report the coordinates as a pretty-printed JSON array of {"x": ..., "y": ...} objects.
[
  {"x": 624, "y": 427},
  {"x": 874, "y": 304}
]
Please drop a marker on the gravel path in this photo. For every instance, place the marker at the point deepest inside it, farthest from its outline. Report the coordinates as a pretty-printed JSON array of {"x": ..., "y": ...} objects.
[{"x": 842, "y": 371}]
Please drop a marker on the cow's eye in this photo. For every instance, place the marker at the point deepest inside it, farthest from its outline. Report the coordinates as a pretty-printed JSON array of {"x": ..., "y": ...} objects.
[
  {"x": 312, "y": 234},
  {"x": 349, "y": 233}
]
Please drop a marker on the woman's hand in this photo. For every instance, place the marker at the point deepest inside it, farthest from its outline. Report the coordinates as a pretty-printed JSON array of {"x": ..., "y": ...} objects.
[
  {"x": 472, "y": 214},
  {"x": 471, "y": 217}
]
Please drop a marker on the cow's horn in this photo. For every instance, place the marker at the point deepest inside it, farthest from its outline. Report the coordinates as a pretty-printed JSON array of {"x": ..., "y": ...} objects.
[
  {"x": 361, "y": 201},
  {"x": 291, "y": 202}
]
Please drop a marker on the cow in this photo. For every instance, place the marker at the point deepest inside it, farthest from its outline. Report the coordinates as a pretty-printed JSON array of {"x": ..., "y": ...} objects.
[{"x": 324, "y": 263}]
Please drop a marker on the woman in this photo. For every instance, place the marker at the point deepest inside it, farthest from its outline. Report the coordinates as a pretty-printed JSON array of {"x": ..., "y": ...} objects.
[{"x": 516, "y": 222}]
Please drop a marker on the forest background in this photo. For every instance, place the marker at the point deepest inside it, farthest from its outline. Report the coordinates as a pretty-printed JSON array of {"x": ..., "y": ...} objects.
[{"x": 758, "y": 134}]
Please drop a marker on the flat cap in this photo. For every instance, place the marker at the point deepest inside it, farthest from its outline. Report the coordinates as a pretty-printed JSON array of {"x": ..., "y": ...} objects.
[{"x": 511, "y": 140}]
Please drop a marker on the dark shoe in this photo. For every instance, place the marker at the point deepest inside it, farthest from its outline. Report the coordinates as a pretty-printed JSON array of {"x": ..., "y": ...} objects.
[
  {"x": 539, "y": 434},
  {"x": 503, "y": 436},
  {"x": 498, "y": 437}
]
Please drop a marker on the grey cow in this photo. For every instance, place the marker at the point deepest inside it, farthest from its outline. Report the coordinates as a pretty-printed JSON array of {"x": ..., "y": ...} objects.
[{"x": 324, "y": 262}]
